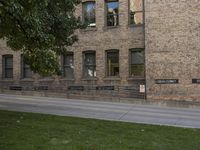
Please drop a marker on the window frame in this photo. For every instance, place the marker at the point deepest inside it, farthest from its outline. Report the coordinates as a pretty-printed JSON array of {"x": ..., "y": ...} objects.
[
  {"x": 106, "y": 13},
  {"x": 138, "y": 11},
  {"x": 4, "y": 68},
  {"x": 130, "y": 62},
  {"x": 24, "y": 67},
  {"x": 88, "y": 65},
  {"x": 106, "y": 63},
  {"x": 83, "y": 13},
  {"x": 64, "y": 66}
]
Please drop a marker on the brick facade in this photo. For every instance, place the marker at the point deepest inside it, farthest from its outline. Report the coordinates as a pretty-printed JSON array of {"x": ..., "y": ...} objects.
[
  {"x": 172, "y": 51},
  {"x": 99, "y": 39},
  {"x": 172, "y": 48}
]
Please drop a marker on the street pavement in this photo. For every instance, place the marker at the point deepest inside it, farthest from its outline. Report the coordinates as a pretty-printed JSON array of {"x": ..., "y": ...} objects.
[{"x": 148, "y": 114}]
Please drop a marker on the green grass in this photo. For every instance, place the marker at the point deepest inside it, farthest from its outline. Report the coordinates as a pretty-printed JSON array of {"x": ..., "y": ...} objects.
[{"x": 27, "y": 131}]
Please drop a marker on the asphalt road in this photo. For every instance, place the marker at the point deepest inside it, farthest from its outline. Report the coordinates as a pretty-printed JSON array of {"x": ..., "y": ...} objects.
[{"x": 148, "y": 114}]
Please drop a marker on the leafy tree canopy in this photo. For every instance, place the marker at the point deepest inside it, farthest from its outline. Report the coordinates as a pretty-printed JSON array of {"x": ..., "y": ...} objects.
[{"x": 40, "y": 29}]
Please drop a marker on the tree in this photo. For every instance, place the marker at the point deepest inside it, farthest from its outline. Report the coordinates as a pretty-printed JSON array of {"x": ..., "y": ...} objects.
[{"x": 41, "y": 29}]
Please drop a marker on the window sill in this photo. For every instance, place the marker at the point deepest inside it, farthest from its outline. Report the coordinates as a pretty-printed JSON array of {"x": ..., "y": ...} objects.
[
  {"x": 112, "y": 79},
  {"x": 89, "y": 79},
  {"x": 88, "y": 29},
  {"x": 65, "y": 79},
  {"x": 27, "y": 79},
  {"x": 135, "y": 78},
  {"x": 135, "y": 25},
  {"x": 110, "y": 27},
  {"x": 51, "y": 79},
  {"x": 7, "y": 80}
]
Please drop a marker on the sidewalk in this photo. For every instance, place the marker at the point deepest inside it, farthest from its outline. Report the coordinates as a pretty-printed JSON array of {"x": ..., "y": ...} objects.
[{"x": 148, "y": 114}]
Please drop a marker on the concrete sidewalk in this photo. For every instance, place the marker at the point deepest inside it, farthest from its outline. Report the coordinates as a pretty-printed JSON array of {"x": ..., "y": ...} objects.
[{"x": 148, "y": 114}]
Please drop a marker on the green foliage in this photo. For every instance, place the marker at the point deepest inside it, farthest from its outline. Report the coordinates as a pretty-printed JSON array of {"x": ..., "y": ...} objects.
[{"x": 40, "y": 29}]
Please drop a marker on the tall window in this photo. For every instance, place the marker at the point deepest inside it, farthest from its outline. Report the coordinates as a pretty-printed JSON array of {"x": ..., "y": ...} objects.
[
  {"x": 112, "y": 63},
  {"x": 68, "y": 65},
  {"x": 26, "y": 70},
  {"x": 89, "y": 15},
  {"x": 7, "y": 66},
  {"x": 89, "y": 64},
  {"x": 112, "y": 9},
  {"x": 135, "y": 12},
  {"x": 137, "y": 62}
]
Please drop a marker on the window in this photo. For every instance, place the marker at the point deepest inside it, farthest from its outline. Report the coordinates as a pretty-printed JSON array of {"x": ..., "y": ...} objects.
[
  {"x": 26, "y": 70},
  {"x": 89, "y": 64},
  {"x": 7, "y": 66},
  {"x": 137, "y": 62},
  {"x": 135, "y": 12},
  {"x": 89, "y": 16},
  {"x": 112, "y": 63},
  {"x": 112, "y": 9},
  {"x": 68, "y": 65}
]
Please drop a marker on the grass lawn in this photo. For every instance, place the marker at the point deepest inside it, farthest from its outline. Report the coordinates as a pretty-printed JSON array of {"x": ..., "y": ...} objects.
[{"x": 27, "y": 131}]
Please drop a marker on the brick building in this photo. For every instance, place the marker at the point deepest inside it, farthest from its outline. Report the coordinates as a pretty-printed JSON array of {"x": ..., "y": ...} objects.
[{"x": 130, "y": 49}]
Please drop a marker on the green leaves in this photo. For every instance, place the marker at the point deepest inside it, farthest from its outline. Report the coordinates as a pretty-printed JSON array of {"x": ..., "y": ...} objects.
[{"x": 40, "y": 29}]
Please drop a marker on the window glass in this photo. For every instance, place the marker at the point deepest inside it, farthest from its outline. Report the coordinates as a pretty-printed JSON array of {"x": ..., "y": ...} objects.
[
  {"x": 136, "y": 12},
  {"x": 89, "y": 68},
  {"x": 68, "y": 66},
  {"x": 7, "y": 66},
  {"x": 26, "y": 71},
  {"x": 137, "y": 63},
  {"x": 89, "y": 14},
  {"x": 112, "y": 12},
  {"x": 112, "y": 63}
]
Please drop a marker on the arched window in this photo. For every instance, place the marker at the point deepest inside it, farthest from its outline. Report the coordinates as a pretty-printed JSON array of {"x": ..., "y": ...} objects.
[
  {"x": 89, "y": 15},
  {"x": 7, "y": 66},
  {"x": 89, "y": 64},
  {"x": 112, "y": 63},
  {"x": 68, "y": 65}
]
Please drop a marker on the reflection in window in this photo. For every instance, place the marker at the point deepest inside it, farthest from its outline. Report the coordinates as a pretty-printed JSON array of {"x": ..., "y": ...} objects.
[
  {"x": 137, "y": 62},
  {"x": 26, "y": 71},
  {"x": 89, "y": 17},
  {"x": 89, "y": 64},
  {"x": 136, "y": 12},
  {"x": 68, "y": 66},
  {"x": 112, "y": 7},
  {"x": 7, "y": 66},
  {"x": 112, "y": 63}
]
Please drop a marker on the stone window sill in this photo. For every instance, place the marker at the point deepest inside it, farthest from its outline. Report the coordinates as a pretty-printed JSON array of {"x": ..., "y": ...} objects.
[
  {"x": 135, "y": 78},
  {"x": 88, "y": 29},
  {"x": 112, "y": 79},
  {"x": 89, "y": 79},
  {"x": 65, "y": 79},
  {"x": 27, "y": 79}
]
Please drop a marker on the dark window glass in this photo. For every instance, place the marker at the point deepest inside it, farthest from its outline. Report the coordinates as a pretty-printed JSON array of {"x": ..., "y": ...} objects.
[
  {"x": 136, "y": 12},
  {"x": 89, "y": 64},
  {"x": 137, "y": 63},
  {"x": 7, "y": 66},
  {"x": 68, "y": 66},
  {"x": 112, "y": 63},
  {"x": 112, "y": 7},
  {"x": 26, "y": 70},
  {"x": 89, "y": 15}
]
